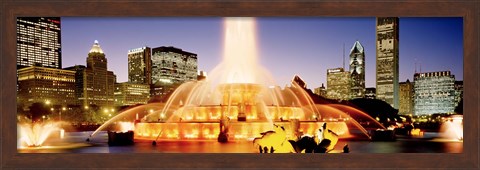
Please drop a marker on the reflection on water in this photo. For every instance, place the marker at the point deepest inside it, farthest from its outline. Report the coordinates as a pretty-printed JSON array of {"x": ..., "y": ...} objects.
[{"x": 77, "y": 144}]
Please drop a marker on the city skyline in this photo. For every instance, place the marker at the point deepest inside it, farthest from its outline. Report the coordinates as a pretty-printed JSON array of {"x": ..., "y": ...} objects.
[{"x": 303, "y": 46}]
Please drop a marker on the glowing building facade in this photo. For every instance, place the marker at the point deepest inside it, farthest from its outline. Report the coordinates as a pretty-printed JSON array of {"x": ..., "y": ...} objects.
[
  {"x": 434, "y": 93},
  {"x": 387, "y": 60},
  {"x": 38, "y": 42},
  {"x": 140, "y": 65},
  {"x": 338, "y": 84},
  {"x": 42, "y": 84},
  {"x": 406, "y": 98},
  {"x": 131, "y": 94},
  {"x": 357, "y": 71},
  {"x": 171, "y": 67},
  {"x": 94, "y": 83}
]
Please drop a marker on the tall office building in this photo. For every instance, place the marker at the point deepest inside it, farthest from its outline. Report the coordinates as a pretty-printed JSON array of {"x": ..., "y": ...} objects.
[
  {"x": 406, "y": 98},
  {"x": 94, "y": 83},
  {"x": 434, "y": 93},
  {"x": 387, "y": 60},
  {"x": 338, "y": 84},
  {"x": 357, "y": 71},
  {"x": 42, "y": 84},
  {"x": 171, "y": 67},
  {"x": 38, "y": 42},
  {"x": 79, "y": 81},
  {"x": 140, "y": 65},
  {"x": 131, "y": 94}
]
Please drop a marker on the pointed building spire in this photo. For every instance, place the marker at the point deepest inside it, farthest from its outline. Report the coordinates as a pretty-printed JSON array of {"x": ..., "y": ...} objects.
[{"x": 96, "y": 47}]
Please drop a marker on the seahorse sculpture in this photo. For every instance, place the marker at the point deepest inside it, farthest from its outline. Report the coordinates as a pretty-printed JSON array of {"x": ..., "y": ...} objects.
[{"x": 274, "y": 141}]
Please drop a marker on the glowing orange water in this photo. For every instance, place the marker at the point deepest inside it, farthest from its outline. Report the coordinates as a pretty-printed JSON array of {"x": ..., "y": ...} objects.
[
  {"x": 241, "y": 94},
  {"x": 452, "y": 128},
  {"x": 34, "y": 135}
]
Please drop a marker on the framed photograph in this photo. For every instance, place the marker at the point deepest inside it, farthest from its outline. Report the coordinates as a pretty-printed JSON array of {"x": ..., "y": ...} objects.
[{"x": 239, "y": 84}]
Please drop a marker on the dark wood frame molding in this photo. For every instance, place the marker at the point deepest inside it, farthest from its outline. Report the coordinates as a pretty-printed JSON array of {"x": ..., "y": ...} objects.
[{"x": 9, "y": 10}]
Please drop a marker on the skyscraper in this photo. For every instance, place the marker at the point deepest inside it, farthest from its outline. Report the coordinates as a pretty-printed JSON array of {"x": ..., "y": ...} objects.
[
  {"x": 338, "y": 84},
  {"x": 434, "y": 93},
  {"x": 171, "y": 67},
  {"x": 38, "y": 42},
  {"x": 357, "y": 71},
  {"x": 95, "y": 82},
  {"x": 140, "y": 65},
  {"x": 387, "y": 60},
  {"x": 406, "y": 98}
]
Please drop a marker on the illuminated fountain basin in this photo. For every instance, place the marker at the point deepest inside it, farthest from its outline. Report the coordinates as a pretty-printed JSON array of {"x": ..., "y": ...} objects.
[{"x": 245, "y": 113}]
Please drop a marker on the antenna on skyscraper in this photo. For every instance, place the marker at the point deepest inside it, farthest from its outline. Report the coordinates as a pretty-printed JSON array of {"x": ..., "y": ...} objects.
[
  {"x": 415, "y": 65},
  {"x": 420, "y": 67},
  {"x": 343, "y": 56}
]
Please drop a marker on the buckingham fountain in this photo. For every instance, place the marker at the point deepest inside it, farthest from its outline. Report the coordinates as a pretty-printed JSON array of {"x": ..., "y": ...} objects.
[{"x": 237, "y": 102}]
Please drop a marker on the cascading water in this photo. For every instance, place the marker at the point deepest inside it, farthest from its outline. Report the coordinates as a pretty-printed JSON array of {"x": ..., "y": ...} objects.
[{"x": 239, "y": 99}]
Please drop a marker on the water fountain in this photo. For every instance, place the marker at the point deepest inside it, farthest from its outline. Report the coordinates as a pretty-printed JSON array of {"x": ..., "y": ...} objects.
[
  {"x": 45, "y": 137},
  {"x": 237, "y": 102},
  {"x": 35, "y": 134},
  {"x": 452, "y": 128}
]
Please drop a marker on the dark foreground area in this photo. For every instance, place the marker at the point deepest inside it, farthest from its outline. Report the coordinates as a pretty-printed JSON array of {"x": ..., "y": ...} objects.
[{"x": 75, "y": 142}]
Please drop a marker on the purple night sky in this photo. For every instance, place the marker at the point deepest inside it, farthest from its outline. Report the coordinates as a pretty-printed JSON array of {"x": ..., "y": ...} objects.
[{"x": 306, "y": 46}]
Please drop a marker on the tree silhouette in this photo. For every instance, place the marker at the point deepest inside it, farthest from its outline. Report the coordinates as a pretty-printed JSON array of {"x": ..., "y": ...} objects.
[
  {"x": 377, "y": 109},
  {"x": 459, "y": 108},
  {"x": 37, "y": 110}
]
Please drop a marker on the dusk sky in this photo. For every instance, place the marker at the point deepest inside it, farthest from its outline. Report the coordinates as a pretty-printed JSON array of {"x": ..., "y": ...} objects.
[{"x": 306, "y": 46}]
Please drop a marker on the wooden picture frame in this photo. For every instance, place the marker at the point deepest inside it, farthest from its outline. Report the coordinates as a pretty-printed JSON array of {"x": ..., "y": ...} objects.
[{"x": 10, "y": 158}]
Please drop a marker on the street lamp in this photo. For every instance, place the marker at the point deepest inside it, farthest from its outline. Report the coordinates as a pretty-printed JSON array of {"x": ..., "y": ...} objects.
[{"x": 60, "y": 113}]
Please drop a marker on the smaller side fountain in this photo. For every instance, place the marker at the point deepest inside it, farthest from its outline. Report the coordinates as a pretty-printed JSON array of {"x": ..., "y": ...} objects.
[
  {"x": 452, "y": 128},
  {"x": 35, "y": 134}
]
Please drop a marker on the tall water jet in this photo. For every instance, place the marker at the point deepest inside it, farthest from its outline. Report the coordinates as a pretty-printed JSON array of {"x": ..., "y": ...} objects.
[{"x": 240, "y": 55}]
